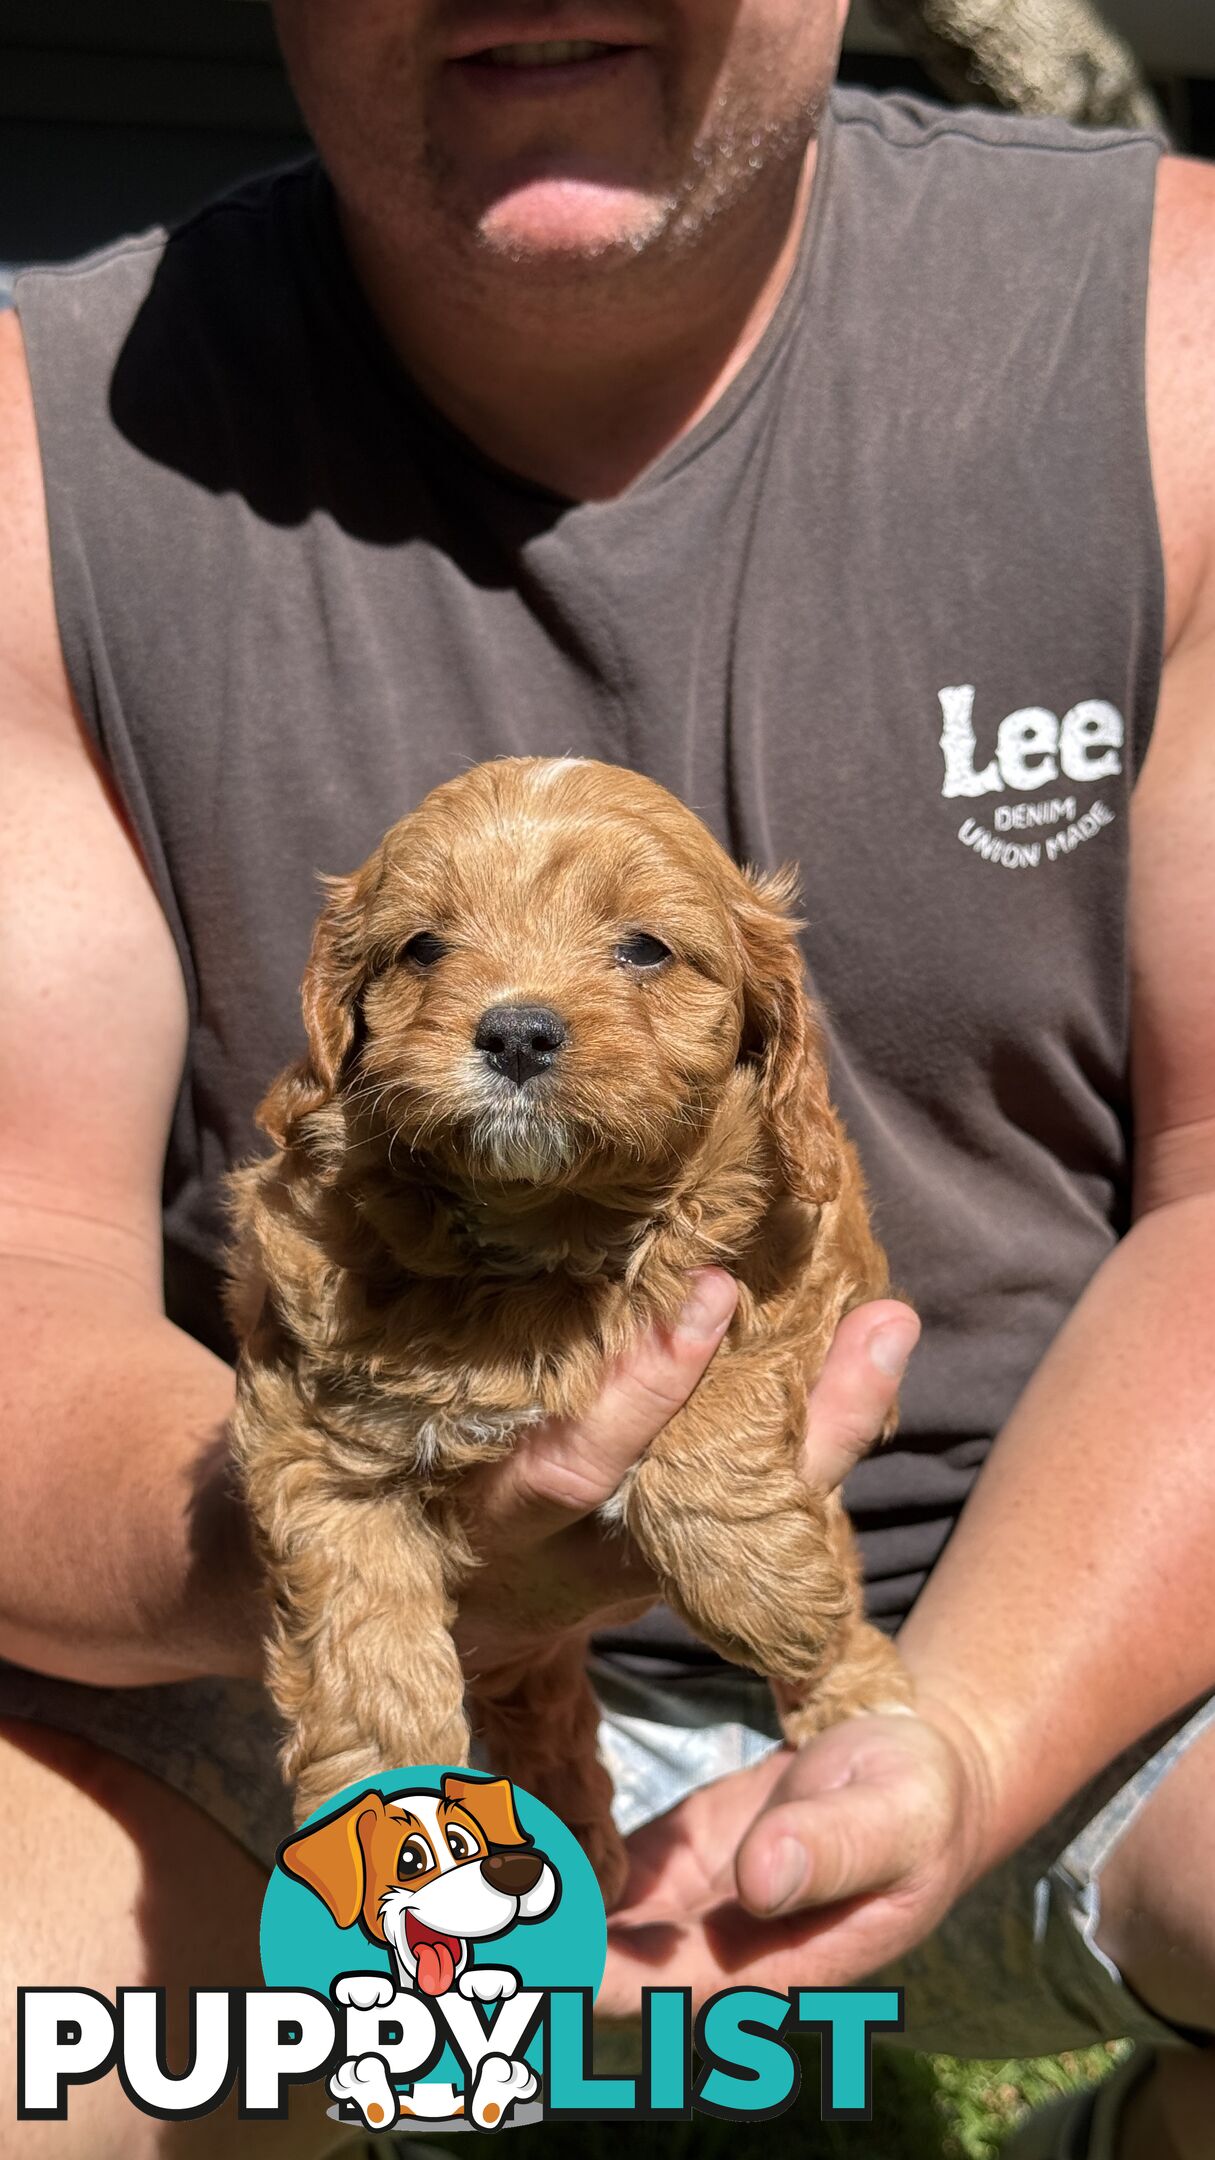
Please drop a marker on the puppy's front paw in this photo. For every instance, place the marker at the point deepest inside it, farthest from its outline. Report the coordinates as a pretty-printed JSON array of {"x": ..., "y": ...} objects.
[
  {"x": 488, "y": 1983},
  {"x": 870, "y": 1676},
  {"x": 317, "y": 1783}
]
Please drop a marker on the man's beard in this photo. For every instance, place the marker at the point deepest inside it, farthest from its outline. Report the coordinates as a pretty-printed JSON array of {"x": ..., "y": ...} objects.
[{"x": 736, "y": 152}]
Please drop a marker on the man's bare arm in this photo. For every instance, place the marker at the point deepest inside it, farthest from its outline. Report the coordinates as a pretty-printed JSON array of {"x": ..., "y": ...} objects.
[{"x": 120, "y": 1559}]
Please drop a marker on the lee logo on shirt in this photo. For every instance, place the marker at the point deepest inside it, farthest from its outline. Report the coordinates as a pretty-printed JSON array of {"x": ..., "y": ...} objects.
[{"x": 1034, "y": 749}]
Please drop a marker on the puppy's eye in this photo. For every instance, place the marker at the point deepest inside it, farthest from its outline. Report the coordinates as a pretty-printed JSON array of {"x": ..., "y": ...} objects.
[
  {"x": 424, "y": 949},
  {"x": 642, "y": 951},
  {"x": 459, "y": 1843},
  {"x": 415, "y": 1858}
]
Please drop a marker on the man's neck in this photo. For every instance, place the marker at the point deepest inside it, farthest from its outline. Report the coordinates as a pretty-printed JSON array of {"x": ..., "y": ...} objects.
[{"x": 577, "y": 389}]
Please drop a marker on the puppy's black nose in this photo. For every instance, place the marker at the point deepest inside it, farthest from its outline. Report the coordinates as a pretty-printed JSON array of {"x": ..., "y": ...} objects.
[
  {"x": 520, "y": 1040},
  {"x": 515, "y": 1873}
]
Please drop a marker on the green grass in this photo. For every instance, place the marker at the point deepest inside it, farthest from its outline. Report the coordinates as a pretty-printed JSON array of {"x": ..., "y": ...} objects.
[
  {"x": 974, "y": 2105},
  {"x": 926, "y": 2107}
]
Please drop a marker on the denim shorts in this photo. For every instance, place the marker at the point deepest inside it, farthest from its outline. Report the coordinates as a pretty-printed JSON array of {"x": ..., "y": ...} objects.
[{"x": 1013, "y": 1970}]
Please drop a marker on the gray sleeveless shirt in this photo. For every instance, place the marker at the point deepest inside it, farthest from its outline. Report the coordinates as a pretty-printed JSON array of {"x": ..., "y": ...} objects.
[{"x": 893, "y": 610}]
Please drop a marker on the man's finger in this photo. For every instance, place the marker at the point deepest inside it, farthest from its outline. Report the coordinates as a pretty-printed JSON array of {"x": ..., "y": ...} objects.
[
  {"x": 564, "y": 1469},
  {"x": 856, "y": 1389}
]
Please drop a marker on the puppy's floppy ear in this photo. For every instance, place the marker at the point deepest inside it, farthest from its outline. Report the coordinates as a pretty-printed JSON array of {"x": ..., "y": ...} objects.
[
  {"x": 329, "y": 996},
  {"x": 780, "y": 1036},
  {"x": 491, "y": 1802},
  {"x": 331, "y": 1860}
]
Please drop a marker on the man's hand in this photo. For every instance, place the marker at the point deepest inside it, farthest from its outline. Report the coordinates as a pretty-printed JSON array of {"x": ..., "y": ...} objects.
[
  {"x": 552, "y": 1566},
  {"x": 814, "y": 1868},
  {"x": 820, "y": 1864}
]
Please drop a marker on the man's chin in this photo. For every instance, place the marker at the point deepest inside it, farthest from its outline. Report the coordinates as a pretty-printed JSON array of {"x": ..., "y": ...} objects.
[{"x": 559, "y": 223}]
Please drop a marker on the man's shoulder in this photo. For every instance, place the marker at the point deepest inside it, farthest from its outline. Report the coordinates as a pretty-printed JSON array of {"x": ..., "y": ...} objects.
[
  {"x": 229, "y": 240},
  {"x": 905, "y": 122},
  {"x": 172, "y": 352},
  {"x": 1181, "y": 383},
  {"x": 1183, "y": 259},
  {"x": 225, "y": 219}
]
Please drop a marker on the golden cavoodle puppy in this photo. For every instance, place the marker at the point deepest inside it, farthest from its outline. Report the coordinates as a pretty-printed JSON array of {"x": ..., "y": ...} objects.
[{"x": 559, "y": 1054}]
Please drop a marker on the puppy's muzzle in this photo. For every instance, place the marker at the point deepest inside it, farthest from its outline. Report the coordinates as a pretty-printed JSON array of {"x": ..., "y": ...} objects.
[
  {"x": 519, "y": 1041},
  {"x": 514, "y": 1873}
]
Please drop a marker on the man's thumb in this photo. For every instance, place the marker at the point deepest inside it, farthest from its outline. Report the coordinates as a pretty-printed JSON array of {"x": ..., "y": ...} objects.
[
  {"x": 565, "y": 1468},
  {"x": 840, "y": 1844}
]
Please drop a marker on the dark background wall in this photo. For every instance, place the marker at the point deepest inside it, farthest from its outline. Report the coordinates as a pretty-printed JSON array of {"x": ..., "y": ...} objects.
[{"x": 115, "y": 114}]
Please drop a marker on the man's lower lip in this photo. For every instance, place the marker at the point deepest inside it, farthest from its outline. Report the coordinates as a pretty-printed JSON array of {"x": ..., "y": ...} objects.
[{"x": 494, "y": 79}]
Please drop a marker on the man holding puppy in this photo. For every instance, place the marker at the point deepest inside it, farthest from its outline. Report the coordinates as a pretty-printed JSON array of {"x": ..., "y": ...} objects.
[{"x": 615, "y": 395}]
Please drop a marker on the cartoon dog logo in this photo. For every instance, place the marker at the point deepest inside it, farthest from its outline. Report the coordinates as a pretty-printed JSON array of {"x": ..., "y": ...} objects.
[{"x": 426, "y": 1875}]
